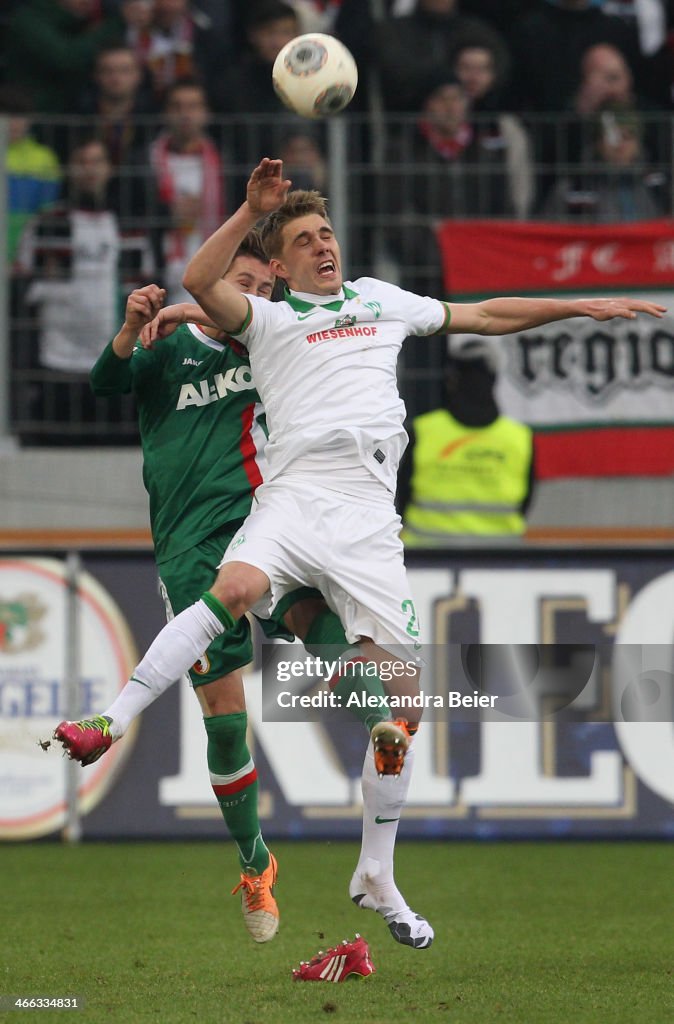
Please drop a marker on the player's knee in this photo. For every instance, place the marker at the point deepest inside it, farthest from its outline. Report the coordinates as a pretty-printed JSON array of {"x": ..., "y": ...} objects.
[
  {"x": 234, "y": 592},
  {"x": 224, "y": 696}
]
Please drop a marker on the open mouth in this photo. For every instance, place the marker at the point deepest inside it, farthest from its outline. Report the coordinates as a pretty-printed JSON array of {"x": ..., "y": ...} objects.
[{"x": 326, "y": 268}]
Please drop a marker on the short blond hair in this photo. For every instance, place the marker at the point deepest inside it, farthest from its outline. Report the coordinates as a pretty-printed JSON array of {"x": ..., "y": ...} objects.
[{"x": 299, "y": 203}]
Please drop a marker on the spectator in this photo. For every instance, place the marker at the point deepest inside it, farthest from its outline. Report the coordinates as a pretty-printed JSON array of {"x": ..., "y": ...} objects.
[
  {"x": 606, "y": 82},
  {"x": 614, "y": 184},
  {"x": 33, "y": 170},
  {"x": 440, "y": 167},
  {"x": 268, "y": 26},
  {"x": 118, "y": 102},
  {"x": 476, "y": 69},
  {"x": 137, "y": 16},
  {"x": 605, "y": 79},
  {"x": 189, "y": 176},
  {"x": 51, "y": 48},
  {"x": 78, "y": 262},
  {"x": 303, "y": 161},
  {"x": 410, "y": 49},
  {"x": 448, "y": 168},
  {"x": 468, "y": 471},
  {"x": 247, "y": 88},
  {"x": 565, "y": 29},
  {"x": 178, "y": 45}
]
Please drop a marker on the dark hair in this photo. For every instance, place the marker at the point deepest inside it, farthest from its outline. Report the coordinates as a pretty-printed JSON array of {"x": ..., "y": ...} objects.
[
  {"x": 299, "y": 203},
  {"x": 191, "y": 82},
  {"x": 268, "y": 10},
  {"x": 252, "y": 246},
  {"x": 83, "y": 141},
  {"x": 434, "y": 80},
  {"x": 116, "y": 47}
]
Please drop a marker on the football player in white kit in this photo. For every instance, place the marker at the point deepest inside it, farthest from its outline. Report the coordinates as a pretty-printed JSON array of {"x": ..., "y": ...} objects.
[{"x": 324, "y": 362}]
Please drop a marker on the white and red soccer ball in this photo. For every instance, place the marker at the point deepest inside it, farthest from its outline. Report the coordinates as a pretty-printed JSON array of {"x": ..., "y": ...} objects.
[{"x": 315, "y": 75}]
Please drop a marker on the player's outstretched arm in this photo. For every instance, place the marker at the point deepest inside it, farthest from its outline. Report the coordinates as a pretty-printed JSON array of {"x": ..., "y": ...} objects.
[
  {"x": 142, "y": 306},
  {"x": 507, "y": 315},
  {"x": 225, "y": 304},
  {"x": 170, "y": 317}
]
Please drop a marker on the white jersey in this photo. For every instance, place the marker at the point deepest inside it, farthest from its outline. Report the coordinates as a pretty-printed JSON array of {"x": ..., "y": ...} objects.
[{"x": 325, "y": 369}]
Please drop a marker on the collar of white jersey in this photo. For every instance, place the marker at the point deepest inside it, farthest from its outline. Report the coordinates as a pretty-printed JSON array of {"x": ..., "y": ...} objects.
[{"x": 302, "y": 302}]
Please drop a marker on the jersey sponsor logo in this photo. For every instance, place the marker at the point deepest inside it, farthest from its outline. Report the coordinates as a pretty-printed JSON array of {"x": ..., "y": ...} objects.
[
  {"x": 204, "y": 392},
  {"x": 342, "y": 332},
  {"x": 345, "y": 321},
  {"x": 192, "y": 362}
]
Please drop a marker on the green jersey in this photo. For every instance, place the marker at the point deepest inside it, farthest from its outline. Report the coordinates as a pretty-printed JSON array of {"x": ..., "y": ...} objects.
[{"x": 202, "y": 429}]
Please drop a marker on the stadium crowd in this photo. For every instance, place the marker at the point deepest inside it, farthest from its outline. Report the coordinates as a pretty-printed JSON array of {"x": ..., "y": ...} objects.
[{"x": 554, "y": 109}]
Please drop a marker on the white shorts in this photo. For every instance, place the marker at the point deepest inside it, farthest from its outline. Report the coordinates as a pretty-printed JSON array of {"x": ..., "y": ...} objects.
[{"x": 349, "y": 548}]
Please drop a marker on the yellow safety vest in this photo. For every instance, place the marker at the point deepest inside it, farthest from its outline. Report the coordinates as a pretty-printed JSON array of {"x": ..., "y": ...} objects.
[{"x": 466, "y": 480}]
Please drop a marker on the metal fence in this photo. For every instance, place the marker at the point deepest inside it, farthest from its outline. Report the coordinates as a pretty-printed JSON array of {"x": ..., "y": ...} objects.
[{"x": 389, "y": 181}]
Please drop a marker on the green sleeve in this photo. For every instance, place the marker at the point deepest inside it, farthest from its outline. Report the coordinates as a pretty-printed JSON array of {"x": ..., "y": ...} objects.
[{"x": 112, "y": 375}]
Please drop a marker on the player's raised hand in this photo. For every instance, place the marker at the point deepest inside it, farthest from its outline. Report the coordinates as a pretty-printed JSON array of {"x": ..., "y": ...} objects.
[
  {"x": 606, "y": 309},
  {"x": 267, "y": 188},
  {"x": 163, "y": 324},
  {"x": 142, "y": 305}
]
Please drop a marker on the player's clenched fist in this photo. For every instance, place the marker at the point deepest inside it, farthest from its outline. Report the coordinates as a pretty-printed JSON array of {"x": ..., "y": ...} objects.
[{"x": 143, "y": 304}]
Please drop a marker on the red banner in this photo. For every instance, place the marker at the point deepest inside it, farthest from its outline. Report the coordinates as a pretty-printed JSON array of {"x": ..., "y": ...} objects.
[
  {"x": 605, "y": 451},
  {"x": 599, "y": 397},
  {"x": 486, "y": 257}
]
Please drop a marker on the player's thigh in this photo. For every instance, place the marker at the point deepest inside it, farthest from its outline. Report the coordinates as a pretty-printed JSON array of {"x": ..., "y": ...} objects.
[
  {"x": 272, "y": 540},
  {"x": 182, "y": 581},
  {"x": 368, "y": 586}
]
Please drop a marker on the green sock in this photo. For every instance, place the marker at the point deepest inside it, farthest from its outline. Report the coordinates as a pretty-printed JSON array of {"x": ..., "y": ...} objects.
[
  {"x": 326, "y": 629},
  {"x": 234, "y": 782}
]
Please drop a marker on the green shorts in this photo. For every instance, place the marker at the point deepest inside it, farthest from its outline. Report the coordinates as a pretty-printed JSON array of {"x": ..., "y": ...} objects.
[{"x": 182, "y": 581}]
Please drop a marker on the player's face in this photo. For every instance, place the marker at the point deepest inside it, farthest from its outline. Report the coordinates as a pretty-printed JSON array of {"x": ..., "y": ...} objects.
[
  {"x": 310, "y": 259},
  {"x": 251, "y": 276}
]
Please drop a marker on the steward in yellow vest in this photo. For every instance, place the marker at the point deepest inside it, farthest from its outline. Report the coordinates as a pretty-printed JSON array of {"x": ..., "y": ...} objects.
[{"x": 470, "y": 470}]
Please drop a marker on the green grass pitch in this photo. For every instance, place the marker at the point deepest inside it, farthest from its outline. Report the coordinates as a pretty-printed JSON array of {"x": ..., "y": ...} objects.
[{"x": 526, "y": 933}]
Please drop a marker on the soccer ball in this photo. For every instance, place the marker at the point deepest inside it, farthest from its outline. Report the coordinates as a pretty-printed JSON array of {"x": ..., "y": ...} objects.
[{"x": 315, "y": 75}]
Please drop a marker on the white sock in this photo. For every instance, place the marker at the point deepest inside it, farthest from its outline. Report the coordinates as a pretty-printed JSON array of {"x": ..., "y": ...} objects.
[
  {"x": 383, "y": 802},
  {"x": 174, "y": 650},
  {"x": 128, "y": 704}
]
